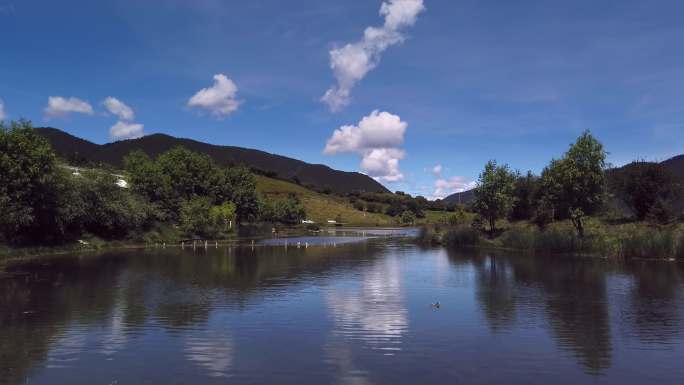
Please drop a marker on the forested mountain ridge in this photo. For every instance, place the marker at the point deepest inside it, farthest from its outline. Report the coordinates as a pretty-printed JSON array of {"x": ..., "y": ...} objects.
[{"x": 318, "y": 176}]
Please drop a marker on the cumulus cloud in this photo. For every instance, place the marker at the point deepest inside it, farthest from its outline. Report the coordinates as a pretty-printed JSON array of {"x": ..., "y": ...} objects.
[
  {"x": 379, "y": 129},
  {"x": 119, "y": 108},
  {"x": 376, "y": 138},
  {"x": 60, "y": 107},
  {"x": 219, "y": 99},
  {"x": 437, "y": 170},
  {"x": 353, "y": 61},
  {"x": 383, "y": 164},
  {"x": 448, "y": 186},
  {"x": 126, "y": 130},
  {"x": 3, "y": 115}
]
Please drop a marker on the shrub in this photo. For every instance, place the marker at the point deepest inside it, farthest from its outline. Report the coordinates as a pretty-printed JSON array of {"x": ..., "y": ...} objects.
[
  {"x": 462, "y": 237},
  {"x": 522, "y": 238}
]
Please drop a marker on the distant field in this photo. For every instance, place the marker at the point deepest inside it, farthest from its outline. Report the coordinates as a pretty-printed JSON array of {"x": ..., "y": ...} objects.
[{"x": 322, "y": 207}]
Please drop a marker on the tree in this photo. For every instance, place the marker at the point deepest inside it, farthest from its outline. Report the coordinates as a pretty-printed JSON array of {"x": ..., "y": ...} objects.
[
  {"x": 109, "y": 211},
  {"x": 575, "y": 184},
  {"x": 29, "y": 182},
  {"x": 196, "y": 218},
  {"x": 288, "y": 211},
  {"x": 643, "y": 185},
  {"x": 237, "y": 185},
  {"x": 190, "y": 174},
  {"x": 222, "y": 214},
  {"x": 524, "y": 192},
  {"x": 147, "y": 179},
  {"x": 408, "y": 217},
  {"x": 494, "y": 193}
]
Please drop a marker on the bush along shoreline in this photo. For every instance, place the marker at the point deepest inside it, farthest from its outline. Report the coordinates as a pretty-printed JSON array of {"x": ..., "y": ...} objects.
[{"x": 627, "y": 241}]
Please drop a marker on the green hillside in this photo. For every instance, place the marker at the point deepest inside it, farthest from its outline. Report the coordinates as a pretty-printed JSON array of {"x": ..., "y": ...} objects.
[{"x": 321, "y": 207}]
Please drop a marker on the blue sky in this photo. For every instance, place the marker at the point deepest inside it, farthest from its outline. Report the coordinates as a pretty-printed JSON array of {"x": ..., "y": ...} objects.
[{"x": 454, "y": 83}]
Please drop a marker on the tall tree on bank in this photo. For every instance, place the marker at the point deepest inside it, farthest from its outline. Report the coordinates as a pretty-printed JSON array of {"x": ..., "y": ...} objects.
[
  {"x": 494, "y": 193},
  {"x": 576, "y": 183},
  {"x": 29, "y": 178}
]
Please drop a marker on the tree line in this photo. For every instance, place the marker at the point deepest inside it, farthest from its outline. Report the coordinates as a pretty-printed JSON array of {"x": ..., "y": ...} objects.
[
  {"x": 573, "y": 187},
  {"x": 44, "y": 202}
]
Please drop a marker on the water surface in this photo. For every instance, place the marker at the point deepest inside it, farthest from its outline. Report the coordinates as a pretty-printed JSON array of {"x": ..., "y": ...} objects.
[{"x": 349, "y": 313}]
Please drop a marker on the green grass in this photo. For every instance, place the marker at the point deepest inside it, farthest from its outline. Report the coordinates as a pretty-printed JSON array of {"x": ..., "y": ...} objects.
[
  {"x": 322, "y": 207},
  {"x": 627, "y": 241}
]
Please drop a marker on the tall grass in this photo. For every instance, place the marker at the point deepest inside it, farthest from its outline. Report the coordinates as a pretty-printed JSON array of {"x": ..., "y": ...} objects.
[
  {"x": 461, "y": 236},
  {"x": 628, "y": 241},
  {"x": 649, "y": 243}
]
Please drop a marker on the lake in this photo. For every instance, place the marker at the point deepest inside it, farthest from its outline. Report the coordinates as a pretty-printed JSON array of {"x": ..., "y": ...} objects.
[{"x": 339, "y": 311}]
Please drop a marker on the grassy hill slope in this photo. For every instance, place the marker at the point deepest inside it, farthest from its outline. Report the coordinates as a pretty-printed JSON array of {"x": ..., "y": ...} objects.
[{"x": 321, "y": 207}]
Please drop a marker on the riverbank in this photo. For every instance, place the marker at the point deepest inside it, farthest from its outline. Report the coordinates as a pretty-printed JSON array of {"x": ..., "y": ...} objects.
[{"x": 619, "y": 241}]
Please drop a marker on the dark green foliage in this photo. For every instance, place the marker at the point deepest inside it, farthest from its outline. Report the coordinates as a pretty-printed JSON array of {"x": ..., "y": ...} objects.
[
  {"x": 494, "y": 193},
  {"x": 30, "y": 186},
  {"x": 287, "y": 211},
  {"x": 237, "y": 185},
  {"x": 461, "y": 237},
  {"x": 544, "y": 213},
  {"x": 372, "y": 207},
  {"x": 359, "y": 205},
  {"x": 643, "y": 186},
  {"x": 180, "y": 175},
  {"x": 408, "y": 217},
  {"x": 525, "y": 192},
  {"x": 576, "y": 183},
  {"x": 395, "y": 208},
  {"x": 107, "y": 210},
  {"x": 196, "y": 219},
  {"x": 43, "y": 203}
]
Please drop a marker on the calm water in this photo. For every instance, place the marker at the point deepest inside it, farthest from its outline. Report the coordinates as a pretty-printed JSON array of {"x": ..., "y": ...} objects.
[{"x": 353, "y": 313}]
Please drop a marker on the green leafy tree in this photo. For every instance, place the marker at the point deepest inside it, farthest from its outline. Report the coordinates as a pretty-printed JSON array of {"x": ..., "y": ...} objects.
[
  {"x": 494, "y": 193},
  {"x": 109, "y": 210},
  {"x": 287, "y": 211},
  {"x": 237, "y": 185},
  {"x": 29, "y": 185},
  {"x": 147, "y": 179},
  {"x": 190, "y": 174},
  {"x": 408, "y": 217},
  {"x": 524, "y": 193},
  {"x": 196, "y": 218},
  {"x": 575, "y": 184},
  {"x": 223, "y": 214}
]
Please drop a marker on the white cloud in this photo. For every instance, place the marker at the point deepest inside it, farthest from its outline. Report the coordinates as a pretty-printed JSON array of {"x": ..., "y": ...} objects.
[
  {"x": 3, "y": 115},
  {"x": 353, "y": 61},
  {"x": 446, "y": 187},
  {"x": 218, "y": 99},
  {"x": 377, "y": 130},
  {"x": 59, "y": 107},
  {"x": 126, "y": 130},
  {"x": 437, "y": 170},
  {"x": 383, "y": 164},
  {"x": 376, "y": 139},
  {"x": 119, "y": 108}
]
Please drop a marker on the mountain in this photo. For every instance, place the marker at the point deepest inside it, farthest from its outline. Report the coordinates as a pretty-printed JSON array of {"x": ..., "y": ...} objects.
[
  {"x": 460, "y": 197},
  {"x": 318, "y": 176},
  {"x": 674, "y": 165}
]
